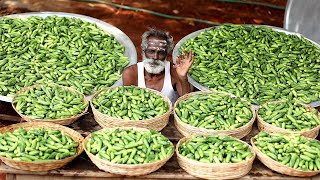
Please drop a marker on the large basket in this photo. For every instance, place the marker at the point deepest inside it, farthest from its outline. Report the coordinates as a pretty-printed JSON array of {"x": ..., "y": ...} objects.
[
  {"x": 156, "y": 123},
  {"x": 278, "y": 167},
  {"x": 124, "y": 169},
  {"x": 42, "y": 166},
  {"x": 269, "y": 128},
  {"x": 61, "y": 121},
  {"x": 187, "y": 130},
  {"x": 214, "y": 170}
]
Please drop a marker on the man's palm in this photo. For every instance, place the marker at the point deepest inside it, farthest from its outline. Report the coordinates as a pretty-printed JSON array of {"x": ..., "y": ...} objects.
[{"x": 183, "y": 64}]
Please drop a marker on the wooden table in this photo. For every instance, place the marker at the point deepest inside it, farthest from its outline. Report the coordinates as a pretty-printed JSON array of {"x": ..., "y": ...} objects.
[{"x": 83, "y": 168}]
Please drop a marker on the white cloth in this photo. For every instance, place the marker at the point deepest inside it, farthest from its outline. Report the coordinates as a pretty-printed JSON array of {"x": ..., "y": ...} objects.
[{"x": 167, "y": 88}]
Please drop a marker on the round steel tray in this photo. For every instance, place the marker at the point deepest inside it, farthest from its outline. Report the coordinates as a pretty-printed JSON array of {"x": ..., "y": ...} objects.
[
  {"x": 303, "y": 17},
  {"x": 202, "y": 87},
  {"x": 130, "y": 50}
]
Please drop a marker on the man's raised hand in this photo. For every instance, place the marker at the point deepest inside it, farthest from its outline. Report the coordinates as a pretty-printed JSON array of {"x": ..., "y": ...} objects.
[{"x": 183, "y": 64}]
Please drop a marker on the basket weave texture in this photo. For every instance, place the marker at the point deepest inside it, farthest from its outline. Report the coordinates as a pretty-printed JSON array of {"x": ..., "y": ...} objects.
[
  {"x": 269, "y": 128},
  {"x": 214, "y": 170},
  {"x": 188, "y": 130},
  {"x": 42, "y": 166},
  {"x": 61, "y": 121},
  {"x": 124, "y": 169},
  {"x": 278, "y": 167},
  {"x": 157, "y": 123}
]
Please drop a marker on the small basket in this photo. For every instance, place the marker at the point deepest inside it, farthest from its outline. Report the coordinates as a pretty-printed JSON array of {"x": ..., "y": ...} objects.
[
  {"x": 42, "y": 166},
  {"x": 278, "y": 167},
  {"x": 214, "y": 170},
  {"x": 61, "y": 121},
  {"x": 124, "y": 169},
  {"x": 187, "y": 130},
  {"x": 156, "y": 123},
  {"x": 269, "y": 128}
]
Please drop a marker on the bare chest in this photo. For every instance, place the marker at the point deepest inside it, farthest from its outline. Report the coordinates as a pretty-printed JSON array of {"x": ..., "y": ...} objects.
[{"x": 155, "y": 83}]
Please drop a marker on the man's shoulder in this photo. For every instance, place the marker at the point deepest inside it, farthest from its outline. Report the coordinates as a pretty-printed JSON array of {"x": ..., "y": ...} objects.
[
  {"x": 130, "y": 75},
  {"x": 131, "y": 68}
]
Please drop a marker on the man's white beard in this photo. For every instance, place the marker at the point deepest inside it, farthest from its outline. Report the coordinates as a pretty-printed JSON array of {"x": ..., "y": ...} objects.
[{"x": 153, "y": 66}]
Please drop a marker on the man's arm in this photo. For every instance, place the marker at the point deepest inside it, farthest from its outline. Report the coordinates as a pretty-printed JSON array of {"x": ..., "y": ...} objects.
[
  {"x": 182, "y": 66},
  {"x": 130, "y": 76},
  {"x": 183, "y": 86}
]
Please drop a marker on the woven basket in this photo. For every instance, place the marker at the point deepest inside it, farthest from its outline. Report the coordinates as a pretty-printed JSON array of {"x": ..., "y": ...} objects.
[
  {"x": 187, "y": 130},
  {"x": 61, "y": 121},
  {"x": 156, "y": 123},
  {"x": 124, "y": 169},
  {"x": 42, "y": 166},
  {"x": 269, "y": 128},
  {"x": 278, "y": 167},
  {"x": 214, "y": 170}
]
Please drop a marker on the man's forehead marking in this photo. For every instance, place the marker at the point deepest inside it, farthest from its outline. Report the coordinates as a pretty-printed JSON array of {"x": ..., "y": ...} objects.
[
  {"x": 157, "y": 42},
  {"x": 157, "y": 48}
]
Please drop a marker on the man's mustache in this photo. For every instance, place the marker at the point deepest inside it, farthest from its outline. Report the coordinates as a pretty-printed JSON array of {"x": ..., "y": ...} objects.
[
  {"x": 155, "y": 62},
  {"x": 153, "y": 66}
]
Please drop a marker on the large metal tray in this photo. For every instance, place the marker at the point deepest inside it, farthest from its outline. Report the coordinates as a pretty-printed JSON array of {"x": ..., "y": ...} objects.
[
  {"x": 202, "y": 87},
  {"x": 130, "y": 50},
  {"x": 303, "y": 17}
]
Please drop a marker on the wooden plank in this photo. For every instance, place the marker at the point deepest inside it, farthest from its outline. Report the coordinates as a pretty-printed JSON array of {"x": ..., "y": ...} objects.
[
  {"x": 83, "y": 167},
  {"x": 10, "y": 177},
  {"x": 10, "y": 118},
  {"x": 54, "y": 177},
  {"x": 258, "y": 173}
]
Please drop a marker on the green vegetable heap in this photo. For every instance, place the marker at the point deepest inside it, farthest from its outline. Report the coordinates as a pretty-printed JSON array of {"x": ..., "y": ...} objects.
[
  {"x": 292, "y": 150},
  {"x": 62, "y": 50},
  {"x": 215, "y": 149},
  {"x": 130, "y": 103},
  {"x": 257, "y": 63},
  {"x": 130, "y": 146},
  {"x": 37, "y": 144},
  {"x": 49, "y": 102},
  {"x": 289, "y": 115},
  {"x": 214, "y": 111}
]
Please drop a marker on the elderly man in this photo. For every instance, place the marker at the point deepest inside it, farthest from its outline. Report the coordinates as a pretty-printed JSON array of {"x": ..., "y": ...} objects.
[{"x": 155, "y": 71}]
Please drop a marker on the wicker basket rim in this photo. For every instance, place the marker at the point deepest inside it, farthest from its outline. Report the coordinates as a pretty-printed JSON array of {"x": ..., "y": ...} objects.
[
  {"x": 186, "y": 96},
  {"x": 40, "y": 162},
  {"x": 287, "y": 130},
  {"x": 13, "y": 127},
  {"x": 276, "y": 162},
  {"x": 282, "y": 129},
  {"x": 184, "y": 139},
  {"x": 144, "y": 120},
  {"x": 52, "y": 120},
  {"x": 217, "y": 131},
  {"x": 124, "y": 165}
]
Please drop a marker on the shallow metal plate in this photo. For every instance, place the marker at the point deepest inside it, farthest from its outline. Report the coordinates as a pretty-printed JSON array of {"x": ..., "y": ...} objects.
[
  {"x": 303, "y": 17},
  {"x": 202, "y": 87},
  {"x": 130, "y": 50},
  {"x": 176, "y": 52}
]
